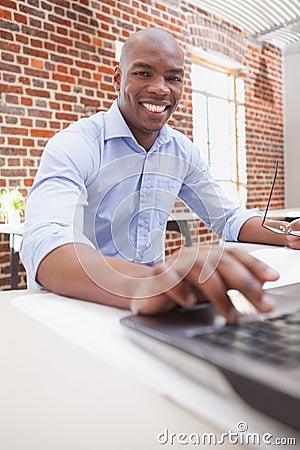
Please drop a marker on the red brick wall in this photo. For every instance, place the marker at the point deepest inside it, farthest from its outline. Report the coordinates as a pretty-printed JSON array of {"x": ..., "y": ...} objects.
[
  {"x": 57, "y": 61},
  {"x": 264, "y": 125}
]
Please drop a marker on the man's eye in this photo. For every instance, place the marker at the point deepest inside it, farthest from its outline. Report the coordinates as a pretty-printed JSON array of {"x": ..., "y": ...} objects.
[
  {"x": 142, "y": 74},
  {"x": 175, "y": 79}
]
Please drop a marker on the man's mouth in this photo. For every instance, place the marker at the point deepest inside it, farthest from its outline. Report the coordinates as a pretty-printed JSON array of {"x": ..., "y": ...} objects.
[{"x": 154, "y": 108}]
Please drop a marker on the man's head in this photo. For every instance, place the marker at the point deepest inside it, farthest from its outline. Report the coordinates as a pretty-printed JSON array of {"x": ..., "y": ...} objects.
[{"x": 149, "y": 80}]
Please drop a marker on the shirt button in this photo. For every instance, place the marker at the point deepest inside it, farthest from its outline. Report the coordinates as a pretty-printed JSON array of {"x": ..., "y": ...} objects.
[{"x": 142, "y": 222}]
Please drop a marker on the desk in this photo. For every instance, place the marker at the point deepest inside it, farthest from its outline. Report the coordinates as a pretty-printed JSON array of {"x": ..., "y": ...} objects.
[
  {"x": 288, "y": 214},
  {"x": 180, "y": 222},
  {"x": 15, "y": 237},
  {"x": 57, "y": 395},
  {"x": 72, "y": 380}
]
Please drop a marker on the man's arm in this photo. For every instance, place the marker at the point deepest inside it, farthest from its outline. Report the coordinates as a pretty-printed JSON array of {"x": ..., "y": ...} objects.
[
  {"x": 190, "y": 276},
  {"x": 252, "y": 231},
  {"x": 79, "y": 271}
]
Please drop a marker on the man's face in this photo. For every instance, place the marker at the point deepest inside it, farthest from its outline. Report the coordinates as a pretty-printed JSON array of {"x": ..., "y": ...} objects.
[{"x": 150, "y": 84}]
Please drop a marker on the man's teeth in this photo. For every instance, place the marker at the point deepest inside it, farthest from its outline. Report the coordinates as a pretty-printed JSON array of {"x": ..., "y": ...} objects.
[{"x": 154, "y": 108}]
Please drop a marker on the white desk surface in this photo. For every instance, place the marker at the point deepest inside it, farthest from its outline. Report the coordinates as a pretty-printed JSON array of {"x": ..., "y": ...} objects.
[
  {"x": 284, "y": 212},
  {"x": 72, "y": 380},
  {"x": 56, "y": 395},
  {"x": 12, "y": 229}
]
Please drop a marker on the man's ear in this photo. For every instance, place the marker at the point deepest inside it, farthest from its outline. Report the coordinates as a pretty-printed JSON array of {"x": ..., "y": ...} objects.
[{"x": 117, "y": 78}]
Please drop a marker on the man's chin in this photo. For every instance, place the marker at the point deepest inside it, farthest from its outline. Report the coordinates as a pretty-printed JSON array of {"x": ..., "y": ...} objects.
[{"x": 155, "y": 126}]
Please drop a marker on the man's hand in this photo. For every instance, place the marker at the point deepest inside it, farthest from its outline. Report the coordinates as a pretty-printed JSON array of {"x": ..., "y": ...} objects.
[
  {"x": 293, "y": 241},
  {"x": 198, "y": 274}
]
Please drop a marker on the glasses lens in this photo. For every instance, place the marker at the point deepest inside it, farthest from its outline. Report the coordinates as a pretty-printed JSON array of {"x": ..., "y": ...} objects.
[
  {"x": 282, "y": 230},
  {"x": 294, "y": 233},
  {"x": 275, "y": 230}
]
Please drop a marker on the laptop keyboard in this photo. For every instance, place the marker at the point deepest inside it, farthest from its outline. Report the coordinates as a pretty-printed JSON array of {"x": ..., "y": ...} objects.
[{"x": 276, "y": 340}]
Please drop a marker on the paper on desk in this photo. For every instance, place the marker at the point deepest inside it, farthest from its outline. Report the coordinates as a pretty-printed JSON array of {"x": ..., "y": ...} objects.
[{"x": 283, "y": 259}]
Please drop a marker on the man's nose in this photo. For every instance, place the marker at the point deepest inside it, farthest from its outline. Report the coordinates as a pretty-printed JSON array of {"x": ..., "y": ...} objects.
[{"x": 159, "y": 86}]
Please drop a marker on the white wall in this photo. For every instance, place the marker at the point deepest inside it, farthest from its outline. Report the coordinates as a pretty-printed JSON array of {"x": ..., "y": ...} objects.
[{"x": 291, "y": 86}]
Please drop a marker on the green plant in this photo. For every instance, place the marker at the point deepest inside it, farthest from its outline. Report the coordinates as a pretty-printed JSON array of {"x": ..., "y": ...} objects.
[{"x": 11, "y": 200}]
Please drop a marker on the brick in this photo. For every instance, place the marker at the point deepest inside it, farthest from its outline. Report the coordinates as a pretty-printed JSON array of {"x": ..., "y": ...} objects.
[
  {"x": 86, "y": 65},
  {"x": 22, "y": 39},
  {"x": 28, "y": 182},
  {"x": 97, "y": 42},
  {"x": 13, "y": 110},
  {"x": 9, "y": 68},
  {"x": 9, "y": 25},
  {"x": 7, "y": 36},
  {"x": 14, "y": 130},
  {"x": 41, "y": 133},
  {"x": 31, "y": 11},
  {"x": 13, "y": 141},
  {"x": 14, "y": 161},
  {"x": 60, "y": 40},
  {"x": 6, "y": 15},
  {"x": 25, "y": 122},
  {"x": 9, "y": 57},
  {"x": 36, "y": 152},
  {"x": 37, "y": 93},
  {"x": 62, "y": 59},
  {"x": 32, "y": 112},
  {"x": 13, "y": 173},
  {"x": 65, "y": 98},
  {"x": 66, "y": 116},
  {"x": 59, "y": 20},
  {"x": 63, "y": 78},
  {"x": 26, "y": 101},
  {"x": 65, "y": 88},
  {"x": 13, "y": 151},
  {"x": 28, "y": 162},
  {"x": 37, "y": 63},
  {"x": 30, "y": 31},
  {"x": 35, "y": 52},
  {"x": 11, "y": 88},
  {"x": 82, "y": 10},
  {"x": 20, "y": 18}
]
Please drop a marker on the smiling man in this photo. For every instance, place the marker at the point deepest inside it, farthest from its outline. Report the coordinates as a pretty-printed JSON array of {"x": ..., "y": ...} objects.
[
  {"x": 97, "y": 212},
  {"x": 149, "y": 87}
]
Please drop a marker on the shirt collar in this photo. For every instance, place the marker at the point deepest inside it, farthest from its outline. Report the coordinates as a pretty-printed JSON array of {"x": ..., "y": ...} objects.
[{"x": 115, "y": 126}]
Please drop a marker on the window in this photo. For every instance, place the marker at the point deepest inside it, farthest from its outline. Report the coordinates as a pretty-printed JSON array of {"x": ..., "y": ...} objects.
[{"x": 219, "y": 126}]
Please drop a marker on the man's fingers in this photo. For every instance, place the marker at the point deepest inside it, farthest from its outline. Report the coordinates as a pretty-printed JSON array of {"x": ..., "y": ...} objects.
[
  {"x": 259, "y": 269},
  {"x": 232, "y": 270},
  {"x": 214, "y": 289},
  {"x": 206, "y": 275},
  {"x": 247, "y": 275}
]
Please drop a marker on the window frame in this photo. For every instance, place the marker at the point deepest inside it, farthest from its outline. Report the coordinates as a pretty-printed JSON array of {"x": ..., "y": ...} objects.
[{"x": 240, "y": 182}]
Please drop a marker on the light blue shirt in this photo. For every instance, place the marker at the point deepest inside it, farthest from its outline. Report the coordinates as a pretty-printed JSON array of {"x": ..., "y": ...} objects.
[{"x": 98, "y": 186}]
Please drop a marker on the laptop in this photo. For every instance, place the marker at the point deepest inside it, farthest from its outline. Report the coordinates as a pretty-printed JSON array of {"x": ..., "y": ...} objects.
[{"x": 258, "y": 358}]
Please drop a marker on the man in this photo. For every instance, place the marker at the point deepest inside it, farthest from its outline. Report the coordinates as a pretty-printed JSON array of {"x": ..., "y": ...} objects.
[{"x": 97, "y": 212}]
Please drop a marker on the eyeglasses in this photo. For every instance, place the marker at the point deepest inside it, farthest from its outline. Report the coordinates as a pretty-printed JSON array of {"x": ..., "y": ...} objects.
[{"x": 281, "y": 229}]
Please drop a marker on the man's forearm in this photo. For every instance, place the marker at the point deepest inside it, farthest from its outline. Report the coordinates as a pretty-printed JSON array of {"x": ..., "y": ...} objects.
[
  {"x": 79, "y": 271},
  {"x": 252, "y": 231}
]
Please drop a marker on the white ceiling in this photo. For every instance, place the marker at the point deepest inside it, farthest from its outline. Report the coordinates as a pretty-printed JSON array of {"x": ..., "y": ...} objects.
[{"x": 275, "y": 21}]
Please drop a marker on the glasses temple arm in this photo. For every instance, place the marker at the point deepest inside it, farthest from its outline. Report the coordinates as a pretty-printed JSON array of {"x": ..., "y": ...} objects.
[{"x": 271, "y": 192}]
